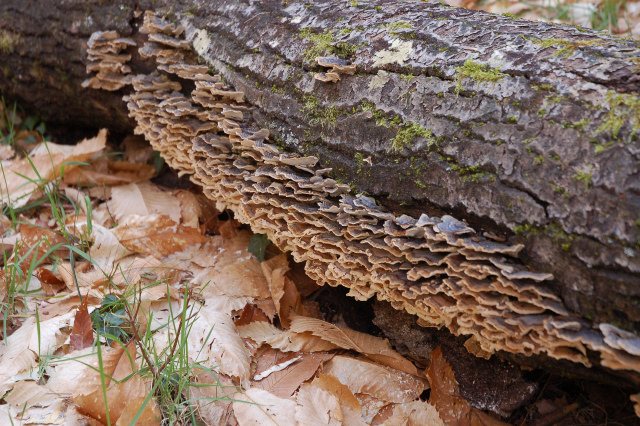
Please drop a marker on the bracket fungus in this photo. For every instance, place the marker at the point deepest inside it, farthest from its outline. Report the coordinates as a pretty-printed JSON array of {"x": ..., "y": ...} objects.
[
  {"x": 338, "y": 66},
  {"x": 438, "y": 269},
  {"x": 106, "y": 60}
]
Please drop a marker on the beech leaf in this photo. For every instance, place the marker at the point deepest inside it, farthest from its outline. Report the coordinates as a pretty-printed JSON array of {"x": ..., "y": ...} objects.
[{"x": 82, "y": 332}]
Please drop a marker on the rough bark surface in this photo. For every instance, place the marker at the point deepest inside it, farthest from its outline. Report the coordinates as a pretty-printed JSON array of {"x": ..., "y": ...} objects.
[{"x": 543, "y": 149}]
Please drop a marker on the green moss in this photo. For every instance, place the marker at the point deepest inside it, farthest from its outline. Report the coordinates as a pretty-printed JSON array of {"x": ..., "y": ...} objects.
[
  {"x": 510, "y": 15},
  {"x": 360, "y": 160},
  {"x": 565, "y": 47},
  {"x": 326, "y": 117},
  {"x": 381, "y": 119},
  {"x": 8, "y": 41},
  {"x": 583, "y": 177},
  {"x": 512, "y": 120},
  {"x": 397, "y": 25},
  {"x": 539, "y": 159},
  {"x": 529, "y": 140},
  {"x": 275, "y": 89},
  {"x": 477, "y": 72},
  {"x": 515, "y": 104},
  {"x": 440, "y": 95},
  {"x": 420, "y": 184},
  {"x": 346, "y": 30},
  {"x": 407, "y": 133},
  {"x": 622, "y": 108},
  {"x": 407, "y": 77},
  {"x": 579, "y": 125}
]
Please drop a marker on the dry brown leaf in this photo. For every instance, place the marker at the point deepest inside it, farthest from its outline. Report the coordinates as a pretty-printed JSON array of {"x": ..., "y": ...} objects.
[
  {"x": 444, "y": 391},
  {"x": 50, "y": 283},
  {"x": 143, "y": 199},
  {"x": 249, "y": 314},
  {"x": 331, "y": 384},
  {"x": 6, "y": 152},
  {"x": 243, "y": 278},
  {"x": 190, "y": 208},
  {"x": 259, "y": 407},
  {"x": 103, "y": 172},
  {"x": 317, "y": 407},
  {"x": 125, "y": 398},
  {"x": 416, "y": 413},
  {"x": 373, "y": 347},
  {"x": 284, "y": 293},
  {"x": 285, "y": 382},
  {"x": 156, "y": 235},
  {"x": 35, "y": 241},
  {"x": 106, "y": 249},
  {"x": 214, "y": 340},
  {"x": 27, "y": 393},
  {"x": 82, "y": 332},
  {"x": 22, "y": 178},
  {"x": 30, "y": 340},
  {"x": 214, "y": 395},
  {"x": 287, "y": 341},
  {"x": 383, "y": 383}
]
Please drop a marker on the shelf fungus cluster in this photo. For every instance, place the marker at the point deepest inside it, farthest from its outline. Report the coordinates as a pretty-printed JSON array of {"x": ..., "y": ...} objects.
[
  {"x": 436, "y": 268},
  {"x": 337, "y": 65},
  {"x": 107, "y": 61}
]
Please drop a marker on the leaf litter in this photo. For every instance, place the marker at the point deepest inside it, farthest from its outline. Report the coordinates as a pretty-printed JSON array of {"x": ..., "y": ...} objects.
[{"x": 125, "y": 302}]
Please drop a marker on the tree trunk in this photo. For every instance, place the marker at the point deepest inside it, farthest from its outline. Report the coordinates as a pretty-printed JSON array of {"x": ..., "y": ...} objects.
[{"x": 525, "y": 130}]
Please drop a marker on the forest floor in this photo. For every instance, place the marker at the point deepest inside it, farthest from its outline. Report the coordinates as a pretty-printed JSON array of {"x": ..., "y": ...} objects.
[
  {"x": 128, "y": 298},
  {"x": 618, "y": 17}
]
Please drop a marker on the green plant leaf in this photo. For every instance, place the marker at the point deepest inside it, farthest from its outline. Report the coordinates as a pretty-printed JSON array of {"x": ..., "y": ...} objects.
[{"x": 258, "y": 246}]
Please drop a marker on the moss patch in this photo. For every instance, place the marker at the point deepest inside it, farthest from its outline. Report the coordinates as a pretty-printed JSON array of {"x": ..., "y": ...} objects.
[
  {"x": 379, "y": 116},
  {"x": 8, "y": 41},
  {"x": 407, "y": 133},
  {"x": 324, "y": 43},
  {"x": 326, "y": 117},
  {"x": 622, "y": 107},
  {"x": 565, "y": 47},
  {"x": 477, "y": 72}
]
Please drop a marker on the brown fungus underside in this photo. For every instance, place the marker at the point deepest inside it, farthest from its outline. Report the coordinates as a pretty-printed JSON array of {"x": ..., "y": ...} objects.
[{"x": 436, "y": 268}]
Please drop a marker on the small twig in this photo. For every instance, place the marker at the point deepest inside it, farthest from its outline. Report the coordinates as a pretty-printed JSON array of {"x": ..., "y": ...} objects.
[
  {"x": 138, "y": 340},
  {"x": 557, "y": 415}
]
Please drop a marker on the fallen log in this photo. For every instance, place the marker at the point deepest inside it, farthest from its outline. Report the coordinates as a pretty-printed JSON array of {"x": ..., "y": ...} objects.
[{"x": 527, "y": 131}]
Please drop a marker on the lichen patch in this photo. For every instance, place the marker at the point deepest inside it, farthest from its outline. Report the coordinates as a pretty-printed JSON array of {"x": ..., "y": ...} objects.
[
  {"x": 201, "y": 42},
  {"x": 398, "y": 52}
]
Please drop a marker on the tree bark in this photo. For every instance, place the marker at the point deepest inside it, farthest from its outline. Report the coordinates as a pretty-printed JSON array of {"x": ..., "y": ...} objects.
[{"x": 527, "y": 131}]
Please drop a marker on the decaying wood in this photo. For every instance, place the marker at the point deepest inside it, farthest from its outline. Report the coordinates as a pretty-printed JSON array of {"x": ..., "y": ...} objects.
[{"x": 525, "y": 130}]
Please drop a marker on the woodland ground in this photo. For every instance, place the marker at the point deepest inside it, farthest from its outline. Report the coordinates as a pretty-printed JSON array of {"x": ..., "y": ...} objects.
[{"x": 126, "y": 297}]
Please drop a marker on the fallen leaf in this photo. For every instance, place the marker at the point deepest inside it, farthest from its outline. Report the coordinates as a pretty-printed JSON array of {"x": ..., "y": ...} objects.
[
  {"x": 317, "y": 407},
  {"x": 214, "y": 394},
  {"x": 444, "y": 391},
  {"x": 82, "y": 332},
  {"x": 259, "y": 407},
  {"x": 143, "y": 199},
  {"x": 45, "y": 163},
  {"x": 285, "y": 382},
  {"x": 373, "y": 347},
  {"x": 29, "y": 341},
  {"x": 156, "y": 235},
  {"x": 331, "y": 384},
  {"x": 50, "y": 283},
  {"x": 284, "y": 293},
  {"x": 125, "y": 396},
  {"x": 189, "y": 208},
  {"x": 366, "y": 377},
  {"x": 416, "y": 413},
  {"x": 214, "y": 340},
  {"x": 103, "y": 172},
  {"x": 287, "y": 341},
  {"x": 26, "y": 394}
]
